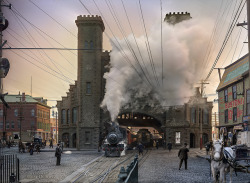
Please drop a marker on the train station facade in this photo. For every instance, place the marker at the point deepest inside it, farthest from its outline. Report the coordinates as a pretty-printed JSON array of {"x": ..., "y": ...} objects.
[{"x": 81, "y": 121}]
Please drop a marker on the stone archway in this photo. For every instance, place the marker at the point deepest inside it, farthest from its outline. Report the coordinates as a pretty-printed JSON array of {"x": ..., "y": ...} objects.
[{"x": 192, "y": 140}]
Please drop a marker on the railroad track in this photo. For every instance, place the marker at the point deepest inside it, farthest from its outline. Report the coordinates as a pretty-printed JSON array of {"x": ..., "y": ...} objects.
[{"x": 100, "y": 170}]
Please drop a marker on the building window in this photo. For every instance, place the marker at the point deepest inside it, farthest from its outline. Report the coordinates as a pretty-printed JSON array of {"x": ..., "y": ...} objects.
[
  {"x": 1, "y": 125},
  {"x": 235, "y": 114},
  {"x": 248, "y": 102},
  {"x": 234, "y": 90},
  {"x": 1, "y": 112},
  {"x": 74, "y": 115},
  {"x": 63, "y": 116},
  {"x": 205, "y": 116},
  {"x": 193, "y": 115},
  {"x": 12, "y": 124},
  {"x": 91, "y": 45},
  {"x": 16, "y": 112},
  {"x": 177, "y": 137},
  {"x": 225, "y": 95},
  {"x": 88, "y": 88},
  {"x": 7, "y": 125},
  {"x": 32, "y": 112},
  {"x": 226, "y": 116},
  {"x": 86, "y": 45},
  {"x": 68, "y": 116}
]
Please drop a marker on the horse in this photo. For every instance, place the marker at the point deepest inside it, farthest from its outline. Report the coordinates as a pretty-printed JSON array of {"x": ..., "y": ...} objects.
[{"x": 219, "y": 163}]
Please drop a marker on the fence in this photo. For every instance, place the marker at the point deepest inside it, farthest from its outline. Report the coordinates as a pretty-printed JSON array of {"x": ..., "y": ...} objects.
[
  {"x": 9, "y": 168},
  {"x": 130, "y": 175}
]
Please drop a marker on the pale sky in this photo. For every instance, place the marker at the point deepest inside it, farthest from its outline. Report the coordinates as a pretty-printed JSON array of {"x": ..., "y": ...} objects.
[{"x": 63, "y": 64}]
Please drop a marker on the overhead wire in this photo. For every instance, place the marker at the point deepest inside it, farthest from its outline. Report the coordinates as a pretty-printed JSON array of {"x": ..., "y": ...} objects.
[
  {"x": 53, "y": 18},
  {"x": 226, "y": 38},
  {"x": 52, "y": 61},
  {"x": 114, "y": 14},
  {"x": 161, "y": 43},
  {"x": 121, "y": 51},
  {"x": 134, "y": 37},
  {"x": 148, "y": 47}
]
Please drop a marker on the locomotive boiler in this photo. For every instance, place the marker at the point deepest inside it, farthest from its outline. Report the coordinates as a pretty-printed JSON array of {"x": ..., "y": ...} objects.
[{"x": 113, "y": 146}]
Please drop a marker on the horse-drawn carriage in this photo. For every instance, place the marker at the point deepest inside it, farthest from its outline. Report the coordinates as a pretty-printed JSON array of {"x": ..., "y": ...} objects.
[{"x": 228, "y": 159}]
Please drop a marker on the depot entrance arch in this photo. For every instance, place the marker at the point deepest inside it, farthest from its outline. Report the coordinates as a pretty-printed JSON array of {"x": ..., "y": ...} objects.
[{"x": 142, "y": 128}]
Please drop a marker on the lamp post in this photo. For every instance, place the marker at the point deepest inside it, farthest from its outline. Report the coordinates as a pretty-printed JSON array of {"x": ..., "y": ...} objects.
[{"x": 54, "y": 114}]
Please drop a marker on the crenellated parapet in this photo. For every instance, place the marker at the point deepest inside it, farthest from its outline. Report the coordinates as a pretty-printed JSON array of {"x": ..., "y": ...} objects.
[
  {"x": 90, "y": 20},
  {"x": 177, "y": 17}
]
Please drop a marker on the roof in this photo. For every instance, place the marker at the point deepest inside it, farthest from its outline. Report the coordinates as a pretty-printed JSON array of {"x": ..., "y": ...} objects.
[
  {"x": 234, "y": 72},
  {"x": 16, "y": 98}
]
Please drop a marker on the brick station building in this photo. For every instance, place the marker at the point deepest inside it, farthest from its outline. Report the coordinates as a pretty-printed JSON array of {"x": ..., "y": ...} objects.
[{"x": 30, "y": 113}]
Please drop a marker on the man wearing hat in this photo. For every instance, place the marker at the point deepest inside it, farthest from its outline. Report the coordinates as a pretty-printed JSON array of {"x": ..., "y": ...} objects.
[
  {"x": 183, "y": 155},
  {"x": 58, "y": 154}
]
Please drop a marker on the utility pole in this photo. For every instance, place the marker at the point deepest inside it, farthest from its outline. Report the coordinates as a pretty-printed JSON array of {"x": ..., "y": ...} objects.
[
  {"x": 248, "y": 24},
  {"x": 20, "y": 114},
  {"x": 4, "y": 63},
  {"x": 202, "y": 83}
]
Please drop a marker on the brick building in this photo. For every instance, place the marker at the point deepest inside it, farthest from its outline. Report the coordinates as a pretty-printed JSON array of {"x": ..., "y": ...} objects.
[
  {"x": 28, "y": 115},
  {"x": 234, "y": 99}
]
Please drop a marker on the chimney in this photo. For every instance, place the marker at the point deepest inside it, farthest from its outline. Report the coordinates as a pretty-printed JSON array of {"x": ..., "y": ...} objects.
[{"x": 23, "y": 97}]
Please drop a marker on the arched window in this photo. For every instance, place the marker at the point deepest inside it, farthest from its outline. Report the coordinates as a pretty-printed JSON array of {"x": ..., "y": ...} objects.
[
  {"x": 63, "y": 116},
  {"x": 32, "y": 112},
  {"x": 1, "y": 112},
  {"x": 68, "y": 116},
  {"x": 74, "y": 115},
  {"x": 205, "y": 116},
  {"x": 193, "y": 115}
]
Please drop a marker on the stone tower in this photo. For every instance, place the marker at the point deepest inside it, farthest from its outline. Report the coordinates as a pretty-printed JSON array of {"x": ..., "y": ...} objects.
[{"x": 89, "y": 77}]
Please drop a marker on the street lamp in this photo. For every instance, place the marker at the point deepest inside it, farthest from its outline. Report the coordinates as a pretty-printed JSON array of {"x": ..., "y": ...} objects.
[{"x": 54, "y": 114}]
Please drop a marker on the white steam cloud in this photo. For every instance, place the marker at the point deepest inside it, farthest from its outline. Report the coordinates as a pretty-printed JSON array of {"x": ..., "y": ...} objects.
[{"x": 183, "y": 51}]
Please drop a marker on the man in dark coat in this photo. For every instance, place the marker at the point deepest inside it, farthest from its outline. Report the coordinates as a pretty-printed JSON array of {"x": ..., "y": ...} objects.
[
  {"x": 183, "y": 155},
  {"x": 169, "y": 146},
  {"x": 140, "y": 148},
  {"x": 58, "y": 154}
]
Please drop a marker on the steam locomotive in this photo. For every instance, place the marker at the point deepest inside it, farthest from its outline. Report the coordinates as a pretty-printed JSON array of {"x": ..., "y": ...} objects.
[{"x": 113, "y": 146}]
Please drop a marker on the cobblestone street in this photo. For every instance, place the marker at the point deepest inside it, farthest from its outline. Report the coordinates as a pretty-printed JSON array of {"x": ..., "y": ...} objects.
[{"x": 160, "y": 166}]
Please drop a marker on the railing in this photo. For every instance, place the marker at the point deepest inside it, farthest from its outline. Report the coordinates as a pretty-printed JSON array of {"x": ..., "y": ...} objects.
[
  {"x": 130, "y": 175},
  {"x": 9, "y": 168}
]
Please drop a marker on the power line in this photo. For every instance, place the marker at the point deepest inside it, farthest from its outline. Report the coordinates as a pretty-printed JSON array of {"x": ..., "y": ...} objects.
[
  {"x": 148, "y": 46},
  {"x": 161, "y": 43},
  {"x": 226, "y": 39},
  {"x": 53, "y": 18}
]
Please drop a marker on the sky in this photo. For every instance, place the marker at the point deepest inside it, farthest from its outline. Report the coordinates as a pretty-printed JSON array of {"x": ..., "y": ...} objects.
[{"x": 51, "y": 24}]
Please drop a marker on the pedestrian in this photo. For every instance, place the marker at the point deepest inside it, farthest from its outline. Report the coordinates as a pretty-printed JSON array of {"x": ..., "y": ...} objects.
[
  {"x": 140, "y": 148},
  {"x": 157, "y": 144},
  {"x": 58, "y": 154},
  {"x": 154, "y": 143},
  {"x": 207, "y": 147},
  {"x": 20, "y": 146},
  {"x": 183, "y": 155},
  {"x": 164, "y": 144},
  {"x": 51, "y": 144},
  {"x": 31, "y": 148},
  {"x": 169, "y": 146},
  {"x": 38, "y": 148}
]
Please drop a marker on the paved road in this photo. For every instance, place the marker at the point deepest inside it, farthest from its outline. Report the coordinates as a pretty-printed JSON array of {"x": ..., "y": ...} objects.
[{"x": 162, "y": 166}]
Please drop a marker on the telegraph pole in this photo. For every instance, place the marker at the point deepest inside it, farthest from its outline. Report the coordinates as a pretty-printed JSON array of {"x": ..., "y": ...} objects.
[{"x": 248, "y": 28}]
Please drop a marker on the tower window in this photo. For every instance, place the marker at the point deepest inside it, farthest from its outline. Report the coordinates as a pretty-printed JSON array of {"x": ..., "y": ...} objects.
[
  {"x": 91, "y": 45},
  {"x": 88, "y": 88},
  {"x": 86, "y": 44}
]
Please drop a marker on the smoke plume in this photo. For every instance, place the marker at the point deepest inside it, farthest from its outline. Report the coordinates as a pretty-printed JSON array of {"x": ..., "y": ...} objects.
[{"x": 183, "y": 51}]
